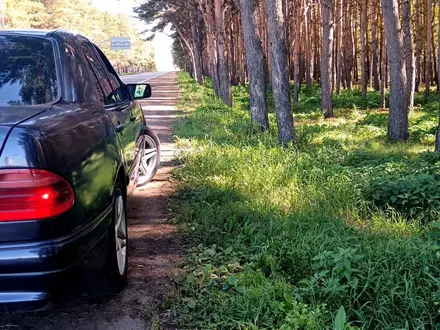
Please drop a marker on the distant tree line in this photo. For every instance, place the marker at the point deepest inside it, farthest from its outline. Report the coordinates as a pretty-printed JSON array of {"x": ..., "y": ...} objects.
[
  {"x": 82, "y": 17},
  {"x": 376, "y": 44}
]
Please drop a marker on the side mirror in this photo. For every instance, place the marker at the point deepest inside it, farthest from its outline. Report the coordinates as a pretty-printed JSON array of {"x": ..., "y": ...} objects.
[{"x": 139, "y": 91}]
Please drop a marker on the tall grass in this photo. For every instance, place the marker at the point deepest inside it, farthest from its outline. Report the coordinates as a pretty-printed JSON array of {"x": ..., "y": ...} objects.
[{"x": 282, "y": 238}]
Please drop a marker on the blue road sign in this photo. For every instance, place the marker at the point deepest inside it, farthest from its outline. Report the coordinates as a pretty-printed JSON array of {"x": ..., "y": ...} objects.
[{"x": 120, "y": 43}]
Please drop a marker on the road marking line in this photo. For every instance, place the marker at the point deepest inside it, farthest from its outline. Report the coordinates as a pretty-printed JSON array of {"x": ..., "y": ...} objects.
[{"x": 156, "y": 76}]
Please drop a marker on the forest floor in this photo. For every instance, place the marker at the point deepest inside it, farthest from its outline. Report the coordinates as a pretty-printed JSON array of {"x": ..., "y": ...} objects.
[
  {"x": 338, "y": 231},
  {"x": 155, "y": 247}
]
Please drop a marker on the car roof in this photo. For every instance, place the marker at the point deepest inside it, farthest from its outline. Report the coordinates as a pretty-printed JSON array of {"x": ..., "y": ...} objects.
[{"x": 36, "y": 32}]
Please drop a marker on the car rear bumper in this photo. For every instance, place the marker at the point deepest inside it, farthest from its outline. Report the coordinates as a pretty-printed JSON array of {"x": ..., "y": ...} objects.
[{"x": 32, "y": 273}]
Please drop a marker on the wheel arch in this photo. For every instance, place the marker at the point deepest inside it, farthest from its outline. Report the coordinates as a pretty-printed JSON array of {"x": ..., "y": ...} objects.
[{"x": 122, "y": 176}]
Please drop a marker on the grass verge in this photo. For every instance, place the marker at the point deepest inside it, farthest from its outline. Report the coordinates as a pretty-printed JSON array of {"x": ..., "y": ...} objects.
[{"x": 338, "y": 232}]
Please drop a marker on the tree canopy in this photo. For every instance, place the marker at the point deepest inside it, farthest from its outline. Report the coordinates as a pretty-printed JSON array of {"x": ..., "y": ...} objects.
[{"x": 82, "y": 17}]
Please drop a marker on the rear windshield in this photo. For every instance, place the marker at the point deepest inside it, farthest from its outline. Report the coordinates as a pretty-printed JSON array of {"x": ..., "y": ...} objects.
[{"x": 27, "y": 71}]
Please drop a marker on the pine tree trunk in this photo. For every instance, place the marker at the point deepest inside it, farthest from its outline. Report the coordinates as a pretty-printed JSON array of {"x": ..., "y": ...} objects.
[
  {"x": 339, "y": 6},
  {"x": 317, "y": 57},
  {"x": 428, "y": 65},
  {"x": 197, "y": 46},
  {"x": 189, "y": 44},
  {"x": 374, "y": 49},
  {"x": 348, "y": 45},
  {"x": 297, "y": 53},
  {"x": 409, "y": 53},
  {"x": 364, "y": 79},
  {"x": 355, "y": 43},
  {"x": 280, "y": 71},
  {"x": 243, "y": 59},
  {"x": 288, "y": 12},
  {"x": 264, "y": 39},
  {"x": 291, "y": 42},
  {"x": 256, "y": 65},
  {"x": 418, "y": 38},
  {"x": 434, "y": 63},
  {"x": 237, "y": 51},
  {"x": 225, "y": 90},
  {"x": 383, "y": 75},
  {"x": 398, "y": 120},
  {"x": 437, "y": 138},
  {"x": 208, "y": 15},
  {"x": 308, "y": 47},
  {"x": 326, "y": 59},
  {"x": 232, "y": 49}
]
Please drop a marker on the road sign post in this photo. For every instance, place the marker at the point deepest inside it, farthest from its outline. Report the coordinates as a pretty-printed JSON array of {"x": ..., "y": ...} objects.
[{"x": 120, "y": 43}]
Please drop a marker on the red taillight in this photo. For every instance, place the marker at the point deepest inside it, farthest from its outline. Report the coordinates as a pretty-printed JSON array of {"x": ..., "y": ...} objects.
[{"x": 28, "y": 194}]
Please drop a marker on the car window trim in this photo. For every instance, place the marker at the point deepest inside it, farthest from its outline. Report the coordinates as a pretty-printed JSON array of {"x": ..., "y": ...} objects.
[
  {"x": 97, "y": 52},
  {"x": 118, "y": 106},
  {"x": 57, "y": 61},
  {"x": 89, "y": 44},
  {"x": 90, "y": 68}
]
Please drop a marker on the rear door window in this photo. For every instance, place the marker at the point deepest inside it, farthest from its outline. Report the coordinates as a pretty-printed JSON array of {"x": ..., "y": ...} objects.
[
  {"x": 119, "y": 91},
  {"x": 28, "y": 72},
  {"x": 100, "y": 72}
]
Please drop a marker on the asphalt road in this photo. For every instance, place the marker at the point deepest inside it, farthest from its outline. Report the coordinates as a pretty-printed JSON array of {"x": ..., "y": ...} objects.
[{"x": 141, "y": 77}]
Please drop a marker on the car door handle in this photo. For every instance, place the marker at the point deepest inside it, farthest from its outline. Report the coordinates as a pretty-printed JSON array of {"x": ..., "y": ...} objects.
[
  {"x": 120, "y": 128},
  {"x": 133, "y": 118}
]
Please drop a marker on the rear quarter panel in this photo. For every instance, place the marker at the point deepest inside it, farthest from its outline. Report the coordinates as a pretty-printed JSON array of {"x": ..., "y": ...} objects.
[{"x": 79, "y": 143}]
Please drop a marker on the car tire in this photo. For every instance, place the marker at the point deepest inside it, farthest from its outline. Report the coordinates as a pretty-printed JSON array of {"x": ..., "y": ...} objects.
[
  {"x": 150, "y": 161},
  {"x": 115, "y": 268}
]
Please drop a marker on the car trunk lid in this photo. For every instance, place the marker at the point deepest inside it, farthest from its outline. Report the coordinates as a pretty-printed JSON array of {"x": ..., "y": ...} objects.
[{"x": 12, "y": 116}]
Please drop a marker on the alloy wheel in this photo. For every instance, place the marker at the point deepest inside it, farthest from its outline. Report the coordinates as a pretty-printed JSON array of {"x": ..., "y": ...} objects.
[
  {"x": 148, "y": 162},
  {"x": 120, "y": 234}
]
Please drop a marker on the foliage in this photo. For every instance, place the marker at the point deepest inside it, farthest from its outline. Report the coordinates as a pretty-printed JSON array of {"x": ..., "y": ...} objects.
[
  {"x": 180, "y": 15},
  {"x": 82, "y": 17},
  {"x": 412, "y": 194},
  {"x": 294, "y": 238}
]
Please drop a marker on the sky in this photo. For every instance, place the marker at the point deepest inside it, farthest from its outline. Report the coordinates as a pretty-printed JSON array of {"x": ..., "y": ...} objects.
[{"x": 162, "y": 42}]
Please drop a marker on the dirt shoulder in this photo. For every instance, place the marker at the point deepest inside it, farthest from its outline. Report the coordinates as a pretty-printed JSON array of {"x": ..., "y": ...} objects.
[{"x": 155, "y": 246}]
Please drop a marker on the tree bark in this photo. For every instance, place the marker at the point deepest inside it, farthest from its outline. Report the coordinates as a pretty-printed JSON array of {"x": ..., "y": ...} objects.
[
  {"x": 317, "y": 38},
  {"x": 297, "y": 53},
  {"x": 349, "y": 52},
  {"x": 398, "y": 119},
  {"x": 355, "y": 44},
  {"x": 383, "y": 75},
  {"x": 197, "y": 45},
  {"x": 280, "y": 71},
  {"x": 437, "y": 138},
  {"x": 364, "y": 79},
  {"x": 232, "y": 30},
  {"x": 374, "y": 49},
  {"x": 207, "y": 10},
  {"x": 409, "y": 53},
  {"x": 428, "y": 65},
  {"x": 256, "y": 65},
  {"x": 243, "y": 59},
  {"x": 238, "y": 50},
  {"x": 225, "y": 89},
  {"x": 262, "y": 24},
  {"x": 326, "y": 59},
  {"x": 434, "y": 62},
  {"x": 186, "y": 41},
  {"x": 308, "y": 46},
  {"x": 418, "y": 47},
  {"x": 339, "y": 6}
]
